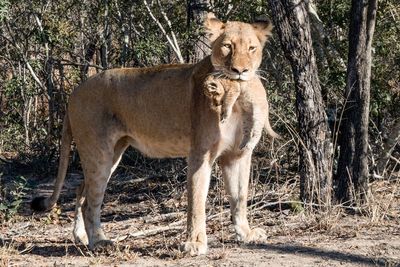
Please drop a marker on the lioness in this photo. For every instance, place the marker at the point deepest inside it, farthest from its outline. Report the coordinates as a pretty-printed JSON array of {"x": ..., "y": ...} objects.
[
  {"x": 163, "y": 112},
  {"x": 224, "y": 93}
]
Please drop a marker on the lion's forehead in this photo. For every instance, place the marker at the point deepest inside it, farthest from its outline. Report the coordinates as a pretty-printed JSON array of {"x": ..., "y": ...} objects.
[
  {"x": 240, "y": 39},
  {"x": 237, "y": 25},
  {"x": 239, "y": 29}
]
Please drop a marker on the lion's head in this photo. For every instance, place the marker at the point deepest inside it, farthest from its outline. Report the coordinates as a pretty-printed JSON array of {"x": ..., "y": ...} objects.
[{"x": 236, "y": 46}]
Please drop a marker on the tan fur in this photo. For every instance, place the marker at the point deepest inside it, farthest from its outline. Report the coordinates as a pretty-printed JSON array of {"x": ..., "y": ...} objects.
[
  {"x": 163, "y": 112},
  {"x": 224, "y": 93}
]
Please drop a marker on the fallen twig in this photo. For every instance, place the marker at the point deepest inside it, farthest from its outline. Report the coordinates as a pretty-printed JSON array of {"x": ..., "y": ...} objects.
[
  {"x": 162, "y": 217},
  {"x": 173, "y": 226},
  {"x": 179, "y": 225}
]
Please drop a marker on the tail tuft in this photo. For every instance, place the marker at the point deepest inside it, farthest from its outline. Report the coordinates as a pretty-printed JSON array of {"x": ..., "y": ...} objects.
[{"x": 38, "y": 204}]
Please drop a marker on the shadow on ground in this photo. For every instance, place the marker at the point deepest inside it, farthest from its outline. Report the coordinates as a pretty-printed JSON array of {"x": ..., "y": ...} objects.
[
  {"x": 65, "y": 248},
  {"x": 324, "y": 254}
]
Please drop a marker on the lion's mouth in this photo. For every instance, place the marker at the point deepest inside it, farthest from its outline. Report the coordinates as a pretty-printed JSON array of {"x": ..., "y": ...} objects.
[
  {"x": 234, "y": 75},
  {"x": 240, "y": 77}
]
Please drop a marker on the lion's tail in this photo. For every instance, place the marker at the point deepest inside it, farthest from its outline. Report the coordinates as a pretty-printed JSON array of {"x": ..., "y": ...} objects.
[
  {"x": 268, "y": 129},
  {"x": 43, "y": 203}
]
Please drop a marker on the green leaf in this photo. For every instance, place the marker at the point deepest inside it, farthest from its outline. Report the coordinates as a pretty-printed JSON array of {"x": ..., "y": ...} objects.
[{"x": 3, "y": 207}]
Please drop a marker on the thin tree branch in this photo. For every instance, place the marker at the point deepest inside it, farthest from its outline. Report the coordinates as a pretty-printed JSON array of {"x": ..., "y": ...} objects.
[
  {"x": 171, "y": 42},
  {"x": 172, "y": 32}
]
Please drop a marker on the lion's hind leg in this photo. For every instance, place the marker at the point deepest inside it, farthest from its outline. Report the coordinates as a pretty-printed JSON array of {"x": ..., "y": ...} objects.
[
  {"x": 79, "y": 224},
  {"x": 98, "y": 165}
]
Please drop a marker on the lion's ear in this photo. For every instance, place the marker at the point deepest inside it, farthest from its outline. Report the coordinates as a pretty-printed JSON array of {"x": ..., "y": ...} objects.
[
  {"x": 263, "y": 30},
  {"x": 213, "y": 27}
]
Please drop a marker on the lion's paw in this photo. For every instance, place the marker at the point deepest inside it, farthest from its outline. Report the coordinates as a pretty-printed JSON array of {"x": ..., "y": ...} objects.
[
  {"x": 83, "y": 239},
  {"x": 104, "y": 246},
  {"x": 81, "y": 236},
  {"x": 195, "y": 248},
  {"x": 255, "y": 235}
]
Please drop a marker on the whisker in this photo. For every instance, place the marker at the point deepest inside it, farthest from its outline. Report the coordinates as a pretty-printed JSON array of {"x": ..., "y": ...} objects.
[
  {"x": 262, "y": 78},
  {"x": 216, "y": 73},
  {"x": 260, "y": 74},
  {"x": 261, "y": 71}
]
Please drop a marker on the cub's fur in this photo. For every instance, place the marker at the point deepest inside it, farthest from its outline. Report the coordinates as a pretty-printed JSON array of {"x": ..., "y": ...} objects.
[
  {"x": 224, "y": 93},
  {"x": 163, "y": 112}
]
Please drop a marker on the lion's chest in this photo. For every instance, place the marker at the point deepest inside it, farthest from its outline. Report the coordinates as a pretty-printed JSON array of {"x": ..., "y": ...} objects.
[{"x": 231, "y": 131}]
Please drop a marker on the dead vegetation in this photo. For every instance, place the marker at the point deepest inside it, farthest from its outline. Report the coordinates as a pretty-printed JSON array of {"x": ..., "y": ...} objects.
[{"x": 145, "y": 214}]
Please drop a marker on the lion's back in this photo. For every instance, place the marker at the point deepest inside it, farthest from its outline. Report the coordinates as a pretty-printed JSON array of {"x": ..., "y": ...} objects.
[{"x": 150, "y": 105}]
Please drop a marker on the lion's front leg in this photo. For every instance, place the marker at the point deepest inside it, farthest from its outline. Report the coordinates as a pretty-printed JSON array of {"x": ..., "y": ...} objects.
[
  {"x": 236, "y": 173},
  {"x": 198, "y": 182}
]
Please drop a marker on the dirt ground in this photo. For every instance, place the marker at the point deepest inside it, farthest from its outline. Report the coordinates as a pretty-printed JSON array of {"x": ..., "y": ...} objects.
[
  {"x": 37, "y": 244},
  {"x": 146, "y": 218}
]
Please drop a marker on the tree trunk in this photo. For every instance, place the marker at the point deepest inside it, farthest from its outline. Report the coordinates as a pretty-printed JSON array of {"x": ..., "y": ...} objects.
[
  {"x": 325, "y": 49},
  {"x": 292, "y": 24},
  {"x": 89, "y": 53},
  {"x": 352, "y": 174},
  {"x": 105, "y": 37},
  {"x": 48, "y": 71},
  {"x": 388, "y": 147},
  {"x": 196, "y": 12}
]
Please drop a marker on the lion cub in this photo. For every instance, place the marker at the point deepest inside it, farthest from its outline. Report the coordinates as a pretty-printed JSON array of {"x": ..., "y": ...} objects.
[{"x": 224, "y": 93}]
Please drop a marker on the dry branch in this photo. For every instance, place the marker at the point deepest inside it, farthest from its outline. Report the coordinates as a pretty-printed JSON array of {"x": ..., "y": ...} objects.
[
  {"x": 388, "y": 147},
  {"x": 173, "y": 42}
]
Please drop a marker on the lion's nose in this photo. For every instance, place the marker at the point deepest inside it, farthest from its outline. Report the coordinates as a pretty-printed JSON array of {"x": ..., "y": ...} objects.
[{"x": 238, "y": 70}]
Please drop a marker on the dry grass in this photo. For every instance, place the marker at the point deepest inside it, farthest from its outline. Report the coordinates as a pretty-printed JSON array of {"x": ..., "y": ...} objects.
[
  {"x": 6, "y": 251},
  {"x": 10, "y": 250},
  {"x": 145, "y": 213}
]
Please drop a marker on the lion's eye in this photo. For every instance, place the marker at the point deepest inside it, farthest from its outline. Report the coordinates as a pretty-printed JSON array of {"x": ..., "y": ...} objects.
[
  {"x": 227, "y": 46},
  {"x": 252, "y": 48}
]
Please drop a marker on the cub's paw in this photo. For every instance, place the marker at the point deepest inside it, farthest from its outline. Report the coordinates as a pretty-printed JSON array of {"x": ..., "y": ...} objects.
[
  {"x": 255, "y": 235},
  {"x": 244, "y": 146},
  {"x": 245, "y": 150},
  {"x": 195, "y": 248},
  {"x": 223, "y": 117}
]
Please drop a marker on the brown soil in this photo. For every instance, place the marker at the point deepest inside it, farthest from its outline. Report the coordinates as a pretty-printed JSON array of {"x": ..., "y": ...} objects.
[{"x": 146, "y": 217}]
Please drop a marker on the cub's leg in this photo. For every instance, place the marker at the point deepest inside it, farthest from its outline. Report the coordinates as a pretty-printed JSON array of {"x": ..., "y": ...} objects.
[
  {"x": 230, "y": 97},
  {"x": 252, "y": 133},
  {"x": 247, "y": 132},
  {"x": 253, "y": 123},
  {"x": 79, "y": 231},
  {"x": 214, "y": 91},
  {"x": 198, "y": 182},
  {"x": 236, "y": 172}
]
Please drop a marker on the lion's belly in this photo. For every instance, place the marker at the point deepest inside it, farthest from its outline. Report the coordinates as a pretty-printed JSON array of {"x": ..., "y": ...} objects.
[
  {"x": 163, "y": 134},
  {"x": 178, "y": 147},
  {"x": 179, "y": 144}
]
